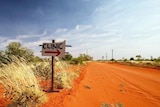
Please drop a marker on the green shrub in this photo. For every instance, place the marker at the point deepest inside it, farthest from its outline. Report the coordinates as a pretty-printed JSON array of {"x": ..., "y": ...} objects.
[
  {"x": 131, "y": 59},
  {"x": 76, "y": 61}
]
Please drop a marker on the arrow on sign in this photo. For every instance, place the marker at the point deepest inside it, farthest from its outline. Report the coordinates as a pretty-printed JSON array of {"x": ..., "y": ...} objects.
[{"x": 57, "y": 52}]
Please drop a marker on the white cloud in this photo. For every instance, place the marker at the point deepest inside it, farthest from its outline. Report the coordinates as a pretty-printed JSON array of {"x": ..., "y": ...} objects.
[
  {"x": 3, "y": 42},
  {"x": 32, "y": 36},
  {"x": 3, "y": 39},
  {"x": 100, "y": 9},
  {"x": 82, "y": 28},
  {"x": 61, "y": 30}
]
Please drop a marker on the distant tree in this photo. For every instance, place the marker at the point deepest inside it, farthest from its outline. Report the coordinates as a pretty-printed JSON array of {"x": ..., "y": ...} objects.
[
  {"x": 67, "y": 57},
  {"x": 131, "y": 58},
  {"x": 80, "y": 59},
  {"x": 16, "y": 49},
  {"x": 138, "y": 57},
  {"x": 124, "y": 59},
  {"x": 113, "y": 59},
  {"x": 76, "y": 61},
  {"x": 13, "y": 48},
  {"x": 158, "y": 59},
  {"x": 85, "y": 57}
]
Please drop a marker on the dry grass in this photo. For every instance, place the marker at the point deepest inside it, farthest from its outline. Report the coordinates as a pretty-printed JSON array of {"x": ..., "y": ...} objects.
[
  {"x": 118, "y": 104},
  {"x": 64, "y": 74},
  {"x": 64, "y": 79},
  {"x": 21, "y": 85},
  {"x": 148, "y": 64}
]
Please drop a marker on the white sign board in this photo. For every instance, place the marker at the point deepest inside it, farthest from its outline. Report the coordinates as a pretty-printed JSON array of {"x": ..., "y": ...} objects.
[{"x": 53, "y": 49}]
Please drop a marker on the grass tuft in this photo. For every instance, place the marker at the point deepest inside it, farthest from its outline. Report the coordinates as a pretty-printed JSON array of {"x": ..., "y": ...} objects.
[
  {"x": 20, "y": 84},
  {"x": 118, "y": 104},
  {"x": 64, "y": 79},
  {"x": 64, "y": 73},
  {"x": 104, "y": 104}
]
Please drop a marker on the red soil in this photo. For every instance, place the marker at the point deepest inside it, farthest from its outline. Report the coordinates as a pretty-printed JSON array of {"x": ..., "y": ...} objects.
[
  {"x": 3, "y": 101},
  {"x": 110, "y": 83}
]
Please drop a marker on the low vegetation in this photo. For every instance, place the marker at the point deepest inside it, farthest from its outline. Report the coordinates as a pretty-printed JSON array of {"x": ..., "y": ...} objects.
[
  {"x": 22, "y": 74},
  {"x": 21, "y": 80},
  {"x": 149, "y": 64},
  {"x": 118, "y": 104},
  {"x": 139, "y": 61},
  {"x": 20, "y": 84},
  {"x": 79, "y": 60},
  {"x": 64, "y": 74}
]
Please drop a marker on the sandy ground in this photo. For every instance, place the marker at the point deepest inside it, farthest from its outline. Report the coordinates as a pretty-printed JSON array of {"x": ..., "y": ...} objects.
[{"x": 112, "y": 84}]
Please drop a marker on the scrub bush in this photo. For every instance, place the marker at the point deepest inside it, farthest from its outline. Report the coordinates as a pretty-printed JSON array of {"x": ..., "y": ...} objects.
[{"x": 20, "y": 84}]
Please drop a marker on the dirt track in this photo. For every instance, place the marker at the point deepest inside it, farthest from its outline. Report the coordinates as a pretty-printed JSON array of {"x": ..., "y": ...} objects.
[{"x": 112, "y": 83}]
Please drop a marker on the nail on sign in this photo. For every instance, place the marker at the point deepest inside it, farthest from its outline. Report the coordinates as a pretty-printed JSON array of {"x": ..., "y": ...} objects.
[{"x": 53, "y": 49}]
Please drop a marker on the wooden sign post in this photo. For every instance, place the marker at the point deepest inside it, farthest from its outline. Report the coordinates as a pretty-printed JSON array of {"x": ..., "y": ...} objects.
[
  {"x": 54, "y": 50},
  {"x": 52, "y": 81}
]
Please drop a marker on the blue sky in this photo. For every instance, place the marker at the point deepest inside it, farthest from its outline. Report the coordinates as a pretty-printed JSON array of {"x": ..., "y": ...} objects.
[{"x": 129, "y": 27}]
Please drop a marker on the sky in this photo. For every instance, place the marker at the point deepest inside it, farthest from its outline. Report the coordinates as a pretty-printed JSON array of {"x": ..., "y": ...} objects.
[{"x": 94, "y": 27}]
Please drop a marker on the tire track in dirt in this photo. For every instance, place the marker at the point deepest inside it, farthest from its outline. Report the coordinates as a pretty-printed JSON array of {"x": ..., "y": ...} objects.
[{"x": 154, "y": 98}]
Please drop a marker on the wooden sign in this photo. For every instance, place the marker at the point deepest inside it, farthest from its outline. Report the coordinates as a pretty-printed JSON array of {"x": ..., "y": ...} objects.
[{"x": 54, "y": 49}]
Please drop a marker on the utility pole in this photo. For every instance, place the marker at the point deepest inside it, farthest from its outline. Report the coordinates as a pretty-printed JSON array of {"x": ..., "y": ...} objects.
[
  {"x": 106, "y": 56},
  {"x": 112, "y": 54}
]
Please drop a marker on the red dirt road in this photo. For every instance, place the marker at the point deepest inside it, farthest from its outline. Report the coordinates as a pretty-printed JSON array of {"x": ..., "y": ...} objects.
[{"x": 112, "y": 83}]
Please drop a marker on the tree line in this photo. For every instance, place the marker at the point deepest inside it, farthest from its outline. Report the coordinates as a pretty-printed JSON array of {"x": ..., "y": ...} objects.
[{"x": 17, "y": 50}]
